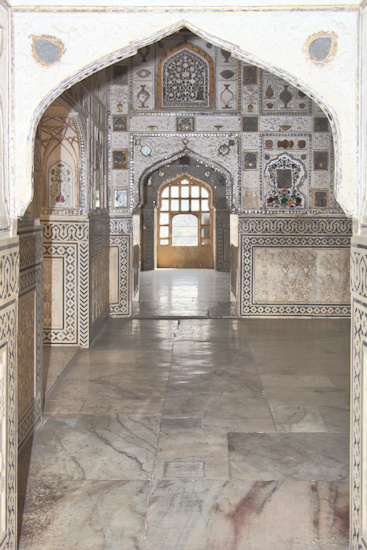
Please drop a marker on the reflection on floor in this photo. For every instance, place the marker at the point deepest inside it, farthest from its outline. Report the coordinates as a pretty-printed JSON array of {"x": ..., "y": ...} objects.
[
  {"x": 177, "y": 293},
  {"x": 195, "y": 434},
  {"x": 55, "y": 360}
]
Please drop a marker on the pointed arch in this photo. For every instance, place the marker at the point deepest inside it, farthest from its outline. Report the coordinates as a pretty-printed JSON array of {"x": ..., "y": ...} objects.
[{"x": 195, "y": 157}]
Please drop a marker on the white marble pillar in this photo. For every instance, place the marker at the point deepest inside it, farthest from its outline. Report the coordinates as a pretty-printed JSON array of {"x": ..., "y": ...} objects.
[{"x": 358, "y": 463}]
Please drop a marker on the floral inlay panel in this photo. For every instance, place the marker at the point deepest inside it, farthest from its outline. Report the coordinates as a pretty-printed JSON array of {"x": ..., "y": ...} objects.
[
  {"x": 60, "y": 185},
  {"x": 185, "y": 78},
  {"x": 285, "y": 175}
]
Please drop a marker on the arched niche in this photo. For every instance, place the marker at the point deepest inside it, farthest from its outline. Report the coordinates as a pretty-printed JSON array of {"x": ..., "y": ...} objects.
[
  {"x": 186, "y": 79},
  {"x": 62, "y": 160}
]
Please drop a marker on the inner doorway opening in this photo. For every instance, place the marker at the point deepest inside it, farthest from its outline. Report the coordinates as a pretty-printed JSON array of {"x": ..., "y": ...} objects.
[{"x": 185, "y": 224}]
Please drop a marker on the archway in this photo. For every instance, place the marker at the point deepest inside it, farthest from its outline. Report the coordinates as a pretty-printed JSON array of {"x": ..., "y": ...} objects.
[{"x": 247, "y": 161}]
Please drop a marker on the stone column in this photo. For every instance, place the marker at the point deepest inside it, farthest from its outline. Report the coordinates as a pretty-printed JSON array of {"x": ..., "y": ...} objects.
[{"x": 358, "y": 458}]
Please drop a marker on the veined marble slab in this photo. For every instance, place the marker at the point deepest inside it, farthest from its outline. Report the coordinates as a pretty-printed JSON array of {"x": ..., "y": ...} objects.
[
  {"x": 95, "y": 448},
  {"x": 282, "y": 456},
  {"x": 84, "y": 515},
  {"x": 244, "y": 515}
]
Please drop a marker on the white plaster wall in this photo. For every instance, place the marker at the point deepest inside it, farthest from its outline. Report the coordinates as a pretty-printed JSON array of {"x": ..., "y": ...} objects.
[
  {"x": 274, "y": 39},
  {"x": 4, "y": 178}
]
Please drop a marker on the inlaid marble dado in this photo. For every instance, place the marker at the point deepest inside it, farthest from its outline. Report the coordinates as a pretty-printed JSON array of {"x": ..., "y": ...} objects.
[
  {"x": 295, "y": 266},
  {"x": 9, "y": 287},
  {"x": 30, "y": 329}
]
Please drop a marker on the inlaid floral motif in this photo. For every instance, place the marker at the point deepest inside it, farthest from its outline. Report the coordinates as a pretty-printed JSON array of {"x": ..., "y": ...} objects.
[{"x": 285, "y": 174}]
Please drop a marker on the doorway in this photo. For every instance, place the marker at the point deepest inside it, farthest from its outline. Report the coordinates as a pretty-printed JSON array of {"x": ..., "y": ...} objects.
[{"x": 185, "y": 224}]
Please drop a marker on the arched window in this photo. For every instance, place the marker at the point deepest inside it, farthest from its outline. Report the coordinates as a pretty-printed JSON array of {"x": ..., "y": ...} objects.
[
  {"x": 185, "y": 223},
  {"x": 185, "y": 78}
]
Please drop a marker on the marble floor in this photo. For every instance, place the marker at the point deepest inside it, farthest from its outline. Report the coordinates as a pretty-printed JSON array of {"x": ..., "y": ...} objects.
[
  {"x": 172, "y": 293},
  {"x": 194, "y": 434}
]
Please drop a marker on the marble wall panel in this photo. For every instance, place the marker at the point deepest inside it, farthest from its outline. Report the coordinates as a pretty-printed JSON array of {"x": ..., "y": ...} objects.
[
  {"x": 148, "y": 240},
  {"x": 358, "y": 460},
  {"x": 26, "y": 352},
  {"x": 98, "y": 273},
  {"x": 9, "y": 288},
  {"x": 294, "y": 266},
  {"x": 223, "y": 241},
  {"x": 113, "y": 279},
  {"x": 300, "y": 275},
  {"x": 53, "y": 292},
  {"x": 120, "y": 255},
  {"x": 4, "y": 117},
  {"x": 163, "y": 123},
  {"x": 30, "y": 329}
]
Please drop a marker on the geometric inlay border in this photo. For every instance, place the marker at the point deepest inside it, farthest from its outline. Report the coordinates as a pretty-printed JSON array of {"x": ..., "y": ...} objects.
[{"x": 69, "y": 240}]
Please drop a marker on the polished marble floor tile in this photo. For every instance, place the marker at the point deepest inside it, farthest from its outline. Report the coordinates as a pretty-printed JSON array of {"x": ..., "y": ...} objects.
[
  {"x": 314, "y": 395},
  {"x": 282, "y": 456},
  {"x": 120, "y": 447},
  {"x": 84, "y": 515},
  {"x": 105, "y": 397},
  {"x": 210, "y": 449},
  {"x": 193, "y": 434},
  {"x": 190, "y": 293},
  {"x": 298, "y": 418}
]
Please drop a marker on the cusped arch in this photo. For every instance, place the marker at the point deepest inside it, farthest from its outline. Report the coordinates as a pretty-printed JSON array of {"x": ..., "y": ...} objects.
[
  {"x": 195, "y": 157},
  {"x": 132, "y": 48}
]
